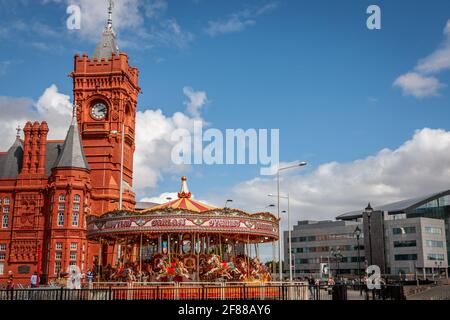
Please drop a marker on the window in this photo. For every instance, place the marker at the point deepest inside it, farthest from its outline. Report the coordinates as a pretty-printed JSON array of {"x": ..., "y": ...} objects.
[
  {"x": 435, "y": 257},
  {"x": 61, "y": 207},
  {"x": 75, "y": 218},
  {"x": 60, "y": 218},
  {"x": 73, "y": 246},
  {"x": 404, "y": 230},
  {"x": 62, "y": 198},
  {"x": 2, "y": 246},
  {"x": 76, "y": 207},
  {"x": 404, "y": 244},
  {"x": 6, "y": 210},
  {"x": 57, "y": 267},
  {"x": 6, "y": 201},
  {"x": 5, "y": 221},
  {"x": 58, "y": 255},
  {"x": 2, "y": 268},
  {"x": 76, "y": 198},
  {"x": 405, "y": 257},
  {"x": 73, "y": 256},
  {"x": 433, "y": 230},
  {"x": 59, "y": 246},
  {"x": 2, "y": 256},
  {"x": 434, "y": 244}
]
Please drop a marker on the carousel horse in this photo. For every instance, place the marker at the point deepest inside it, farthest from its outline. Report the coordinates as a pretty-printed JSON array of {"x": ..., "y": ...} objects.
[
  {"x": 174, "y": 270},
  {"x": 259, "y": 271},
  {"x": 222, "y": 269}
]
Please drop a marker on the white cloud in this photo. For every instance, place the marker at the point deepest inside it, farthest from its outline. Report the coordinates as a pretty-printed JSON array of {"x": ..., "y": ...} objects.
[
  {"x": 197, "y": 99},
  {"x": 53, "y": 107},
  {"x": 239, "y": 21},
  {"x": 420, "y": 83},
  {"x": 418, "y": 167},
  {"x": 154, "y": 144},
  {"x": 414, "y": 84},
  {"x": 162, "y": 198},
  {"x": 439, "y": 60}
]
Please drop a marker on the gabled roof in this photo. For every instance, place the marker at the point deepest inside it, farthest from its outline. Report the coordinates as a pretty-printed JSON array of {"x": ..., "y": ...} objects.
[
  {"x": 398, "y": 206},
  {"x": 11, "y": 161},
  {"x": 72, "y": 154}
]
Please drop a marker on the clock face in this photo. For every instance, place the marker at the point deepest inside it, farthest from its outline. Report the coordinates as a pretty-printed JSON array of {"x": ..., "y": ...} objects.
[{"x": 98, "y": 111}]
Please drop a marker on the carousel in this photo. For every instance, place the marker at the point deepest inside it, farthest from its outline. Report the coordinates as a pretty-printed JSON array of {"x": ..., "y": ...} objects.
[{"x": 182, "y": 240}]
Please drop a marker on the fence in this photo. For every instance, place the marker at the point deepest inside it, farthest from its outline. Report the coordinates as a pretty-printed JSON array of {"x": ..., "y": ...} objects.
[{"x": 201, "y": 291}]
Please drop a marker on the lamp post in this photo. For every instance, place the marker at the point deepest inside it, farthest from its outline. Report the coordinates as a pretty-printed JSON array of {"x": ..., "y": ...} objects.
[
  {"x": 226, "y": 203},
  {"x": 289, "y": 232},
  {"x": 369, "y": 211},
  {"x": 300, "y": 164},
  {"x": 273, "y": 247},
  {"x": 121, "y": 162},
  {"x": 358, "y": 235}
]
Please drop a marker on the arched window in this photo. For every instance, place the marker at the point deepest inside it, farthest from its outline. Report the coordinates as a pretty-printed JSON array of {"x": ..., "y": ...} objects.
[
  {"x": 6, "y": 201},
  {"x": 60, "y": 219},
  {"x": 76, "y": 198},
  {"x": 75, "y": 218},
  {"x": 62, "y": 198},
  {"x": 5, "y": 221}
]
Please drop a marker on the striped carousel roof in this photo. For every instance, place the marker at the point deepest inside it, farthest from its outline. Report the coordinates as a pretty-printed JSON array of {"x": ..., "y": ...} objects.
[{"x": 184, "y": 201}]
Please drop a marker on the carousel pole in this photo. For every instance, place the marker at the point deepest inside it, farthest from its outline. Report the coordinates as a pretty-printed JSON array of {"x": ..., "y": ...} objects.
[
  {"x": 168, "y": 247},
  {"x": 140, "y": 256},
  {"x": 198, "y": 256},
  {"x": 248, "y": 256},
  {"x": 99, "y": 260},
  {"x": 220, "y": 246}
]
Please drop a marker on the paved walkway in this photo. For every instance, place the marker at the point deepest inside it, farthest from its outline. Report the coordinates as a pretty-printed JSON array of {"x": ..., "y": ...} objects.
[{"x": 434, "y": 293}]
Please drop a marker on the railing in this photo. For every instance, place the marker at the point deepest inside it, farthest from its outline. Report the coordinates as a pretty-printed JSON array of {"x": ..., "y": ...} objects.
[{"x": 194, "y": 291}]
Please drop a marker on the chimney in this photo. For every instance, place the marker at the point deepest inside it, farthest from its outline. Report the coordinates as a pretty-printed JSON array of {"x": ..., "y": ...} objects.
[
  {"x": 43, "y": 131},
  {"x": 26, "y": 148},
  {"x": 34, "y": 147}
]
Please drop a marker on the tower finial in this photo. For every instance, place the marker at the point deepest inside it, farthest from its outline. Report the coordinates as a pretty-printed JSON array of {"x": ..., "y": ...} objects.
[
  {"x": 110, "y": 11},
  {"x": 18, "y": 129},
  {"x": 74, "y": 112}
]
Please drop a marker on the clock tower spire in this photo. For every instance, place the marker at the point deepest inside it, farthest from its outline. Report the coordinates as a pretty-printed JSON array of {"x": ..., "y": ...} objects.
[{"x": 106, "y": 89}]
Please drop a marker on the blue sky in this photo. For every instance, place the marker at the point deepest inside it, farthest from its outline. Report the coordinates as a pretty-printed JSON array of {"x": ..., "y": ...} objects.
[{"x": 310, "y": 68}]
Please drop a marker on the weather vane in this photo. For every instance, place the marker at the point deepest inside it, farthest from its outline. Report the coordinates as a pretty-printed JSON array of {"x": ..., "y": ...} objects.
[{"x": 18, "y": 130}]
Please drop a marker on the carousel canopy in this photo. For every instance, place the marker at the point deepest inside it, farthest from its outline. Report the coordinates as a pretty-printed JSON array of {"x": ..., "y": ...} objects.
[{"x": 185, "y": 215}]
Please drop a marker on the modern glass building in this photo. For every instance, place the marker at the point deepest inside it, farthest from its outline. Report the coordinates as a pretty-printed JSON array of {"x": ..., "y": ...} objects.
[{"x": 435, "y": 206}]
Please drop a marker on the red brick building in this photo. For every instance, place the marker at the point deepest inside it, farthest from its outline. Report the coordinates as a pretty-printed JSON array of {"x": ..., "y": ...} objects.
[{"x": 48, "y": 188}]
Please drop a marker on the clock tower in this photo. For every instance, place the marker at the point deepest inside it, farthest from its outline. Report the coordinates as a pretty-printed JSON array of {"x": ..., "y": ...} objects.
[{"x": 105, "y": 89}]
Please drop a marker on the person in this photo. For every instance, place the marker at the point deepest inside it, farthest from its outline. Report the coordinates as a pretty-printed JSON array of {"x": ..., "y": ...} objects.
[
  {"x": 90, "y": 278},
  {"x": 311, "y": 283},
  {"x": 10, "y": 283},
  {"x": 34, "y": 280}
]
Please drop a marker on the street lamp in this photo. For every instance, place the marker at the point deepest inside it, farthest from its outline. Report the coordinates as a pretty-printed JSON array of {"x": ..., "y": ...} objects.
[
  {"x": 300, "y": 164},
  {"x": 122, "y": 133},
  {"x": 226, "y": 202},
  {"x": 358, "y": 235},
  {"x": 289, "y": 232},
  {"x": 369, "y": 211}
]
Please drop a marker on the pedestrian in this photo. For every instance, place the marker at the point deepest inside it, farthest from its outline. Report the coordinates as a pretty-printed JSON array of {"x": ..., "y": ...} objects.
[
  {"x": 34, "y": 280},
  {"x": 10, "y": 283},
  {"x": 90, "y": 278}
]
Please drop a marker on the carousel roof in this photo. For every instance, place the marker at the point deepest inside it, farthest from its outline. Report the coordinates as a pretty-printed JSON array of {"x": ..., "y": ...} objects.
[{"x": 184, "y": 201}]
